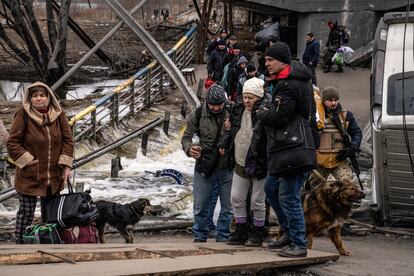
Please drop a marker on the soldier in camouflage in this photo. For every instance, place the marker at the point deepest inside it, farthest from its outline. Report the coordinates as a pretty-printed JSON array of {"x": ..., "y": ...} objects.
[{"x": 332, "y": 154}]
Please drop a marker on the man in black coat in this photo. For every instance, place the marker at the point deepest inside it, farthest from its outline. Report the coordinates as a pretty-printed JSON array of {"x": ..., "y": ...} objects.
[
  {"x": 290, "y": 158},
  {"x": 311, "y": 55},
  {"x": 216, "y": 61}
]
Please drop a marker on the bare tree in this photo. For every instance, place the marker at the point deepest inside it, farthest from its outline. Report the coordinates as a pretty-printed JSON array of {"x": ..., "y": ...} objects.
[
  {"x": 48, "y": 59},
  {"x": 203, "y": 31}
]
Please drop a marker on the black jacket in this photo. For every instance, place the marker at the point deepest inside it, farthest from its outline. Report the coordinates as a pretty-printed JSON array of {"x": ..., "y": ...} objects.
[
  {"x": 255, "y": 164},
  {"x": 216, "y": 64},
  {"x": 233, "y": 79},
  {"x": 291, "y": 96},
  {"x": 311, "y": 53}
]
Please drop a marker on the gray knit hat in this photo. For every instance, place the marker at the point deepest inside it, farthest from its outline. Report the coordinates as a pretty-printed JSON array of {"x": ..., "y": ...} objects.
[
  {"x": 330, "y": 92},
  {"x": 241, "y": 60},
  {"x": 216, "y": 94}
]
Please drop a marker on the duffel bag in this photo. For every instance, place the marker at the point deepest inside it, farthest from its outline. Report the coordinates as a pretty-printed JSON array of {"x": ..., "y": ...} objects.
[
  {"x": 46, "y": 233},
  {"x": 71, "y": 209},
  {"x": 79, "y": 234}
]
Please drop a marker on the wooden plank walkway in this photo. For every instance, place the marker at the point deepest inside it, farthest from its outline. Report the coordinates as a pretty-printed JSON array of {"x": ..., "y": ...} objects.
[{"x": 144, "y": 259}]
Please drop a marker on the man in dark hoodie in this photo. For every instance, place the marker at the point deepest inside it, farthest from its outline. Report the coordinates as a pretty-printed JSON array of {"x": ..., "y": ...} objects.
[
  {"x": 288, "y": 161},
  {"x": 216, "y": 61},
  {"x": 233, "y": 77}
]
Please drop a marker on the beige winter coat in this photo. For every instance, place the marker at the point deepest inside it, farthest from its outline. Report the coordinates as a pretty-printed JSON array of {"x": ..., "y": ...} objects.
[{"x": 41, "y": 145}]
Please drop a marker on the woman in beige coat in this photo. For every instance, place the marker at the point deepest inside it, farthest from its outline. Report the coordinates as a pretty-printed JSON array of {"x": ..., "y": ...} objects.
[{"x": 41, "y": 146}]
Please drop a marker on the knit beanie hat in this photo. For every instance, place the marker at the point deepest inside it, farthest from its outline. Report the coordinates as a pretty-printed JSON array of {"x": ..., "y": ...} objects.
[
  {"x": 223, "y": 31},
  {"x": 216, "y": 94},
  {"x": 330, "y": 92},
  {"x": 241, "y": 60},
  {"x": 221, "y": 42},
  {"x": 279, "y": 51},
  {"x": 233, "y": 37},
  {"x": 236, "y": 46},
  {"x": 254, "y": 86},
  {"x": 250, "y": 68}
]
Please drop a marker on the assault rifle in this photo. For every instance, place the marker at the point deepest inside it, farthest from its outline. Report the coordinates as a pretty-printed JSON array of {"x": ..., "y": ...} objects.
[{"x": 347, "y": 143}]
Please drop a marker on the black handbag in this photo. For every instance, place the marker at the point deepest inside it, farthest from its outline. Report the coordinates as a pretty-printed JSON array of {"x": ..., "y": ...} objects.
[
  {"x": 71, "y": 209},
  {"x": 207, "y": 163},
  {"x": 291, "y": 148}
]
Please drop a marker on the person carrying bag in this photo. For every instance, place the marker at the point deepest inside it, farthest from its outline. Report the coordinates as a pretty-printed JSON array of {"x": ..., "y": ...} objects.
[{"x": 41, "y": 145}]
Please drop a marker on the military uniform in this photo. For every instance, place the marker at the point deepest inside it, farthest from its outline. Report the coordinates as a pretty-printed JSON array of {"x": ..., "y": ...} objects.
[{"x": 331, "y": 143}]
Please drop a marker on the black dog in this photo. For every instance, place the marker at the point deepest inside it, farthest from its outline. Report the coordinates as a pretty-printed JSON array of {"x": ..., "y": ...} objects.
[{"x": 120, "y": 216}]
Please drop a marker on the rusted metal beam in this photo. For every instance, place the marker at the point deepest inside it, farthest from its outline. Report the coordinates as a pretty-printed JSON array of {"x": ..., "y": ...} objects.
[
  {"x": 157, "y": 52},
  {"x": 98, "y": 45}
]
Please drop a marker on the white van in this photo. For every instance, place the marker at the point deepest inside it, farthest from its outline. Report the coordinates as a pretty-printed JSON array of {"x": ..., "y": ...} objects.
[{"x": 392, "y": 122}]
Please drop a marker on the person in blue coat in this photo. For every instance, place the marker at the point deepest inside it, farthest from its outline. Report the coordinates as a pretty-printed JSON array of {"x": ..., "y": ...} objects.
[{"x": 311, "y": 55}]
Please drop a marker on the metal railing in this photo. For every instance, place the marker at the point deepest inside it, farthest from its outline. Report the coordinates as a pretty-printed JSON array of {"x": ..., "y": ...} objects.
[{"x": 136, "y": 93}]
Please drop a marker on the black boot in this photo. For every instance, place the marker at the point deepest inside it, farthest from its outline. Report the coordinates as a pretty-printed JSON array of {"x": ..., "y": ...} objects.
[
  {"x": 239, "y": 236},
  {"x": 280, "y": 243},
  {"x": 256, "y": 237}
]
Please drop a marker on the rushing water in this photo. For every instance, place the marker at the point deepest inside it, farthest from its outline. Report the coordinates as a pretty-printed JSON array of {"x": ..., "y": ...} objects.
[{"x": 134, "y": 181}]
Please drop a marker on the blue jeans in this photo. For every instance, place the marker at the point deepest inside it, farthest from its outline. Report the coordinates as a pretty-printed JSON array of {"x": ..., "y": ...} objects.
[
  {"x": 214, "y": 199},
  {"x": 283, "y": 194},
  {"x": 203, "y": 191}
]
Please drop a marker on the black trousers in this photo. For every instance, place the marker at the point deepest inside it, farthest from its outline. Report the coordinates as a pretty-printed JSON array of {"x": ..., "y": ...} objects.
[{"x": 313, "y": 69}]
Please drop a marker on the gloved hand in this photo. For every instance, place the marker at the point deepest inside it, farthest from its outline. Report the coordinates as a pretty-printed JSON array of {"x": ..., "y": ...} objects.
[{"x": 345, "y": 153}]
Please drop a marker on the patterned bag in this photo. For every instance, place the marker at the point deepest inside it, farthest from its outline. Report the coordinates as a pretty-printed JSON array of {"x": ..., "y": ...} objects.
[
  {"x": 42, "y": 234},
  {"x": 79, "y": 234}
]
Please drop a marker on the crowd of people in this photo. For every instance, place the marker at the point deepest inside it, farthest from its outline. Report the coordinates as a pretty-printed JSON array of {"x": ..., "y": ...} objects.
[{"x": 258, "y": 138}]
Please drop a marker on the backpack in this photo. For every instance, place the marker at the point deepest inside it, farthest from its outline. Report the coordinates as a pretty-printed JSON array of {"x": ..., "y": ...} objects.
[
  {"x": 46, "y": 233},
  {"x": 225, "y": 80},
  {"x": 79, "y": 234}
]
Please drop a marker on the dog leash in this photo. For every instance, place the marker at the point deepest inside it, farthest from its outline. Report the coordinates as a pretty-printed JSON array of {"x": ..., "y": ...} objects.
[{"x": 318, "y": 174}]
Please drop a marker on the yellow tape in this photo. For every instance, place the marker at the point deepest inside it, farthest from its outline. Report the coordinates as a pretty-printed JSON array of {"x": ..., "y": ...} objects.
[
  {"x": 179, "y": 43},
  {"x": 82, "y": 114},
  {"x": 122, "y": 86}
]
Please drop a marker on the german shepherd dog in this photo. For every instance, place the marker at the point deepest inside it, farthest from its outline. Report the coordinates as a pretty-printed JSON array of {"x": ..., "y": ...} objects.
[
  {"x": 120, "y": 216},
  {"x": 326, "y": 207}
]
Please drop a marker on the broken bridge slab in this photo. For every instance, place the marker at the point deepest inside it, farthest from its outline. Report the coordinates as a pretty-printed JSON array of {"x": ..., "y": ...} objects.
[{"x": 145, "y": 259}]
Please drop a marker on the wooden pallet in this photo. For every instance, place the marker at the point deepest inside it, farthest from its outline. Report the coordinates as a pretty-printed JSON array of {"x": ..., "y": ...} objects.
[{"x": 144, "y": 259}]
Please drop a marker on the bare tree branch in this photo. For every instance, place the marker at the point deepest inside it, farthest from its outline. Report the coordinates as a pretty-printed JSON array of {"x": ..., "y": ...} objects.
[
  {"x": 13, "y": 46},
  {"x": 22, "y": 30},
  {"x": 51, "y": 24},
  {"x": 44, "y": 49},
  {"x": 58, "y": 59}
]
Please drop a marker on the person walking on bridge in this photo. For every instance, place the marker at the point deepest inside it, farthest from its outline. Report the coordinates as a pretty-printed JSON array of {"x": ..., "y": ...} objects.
[
  {"x": 41, "y": 145},
  {"x": 200, "y": 141}
]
